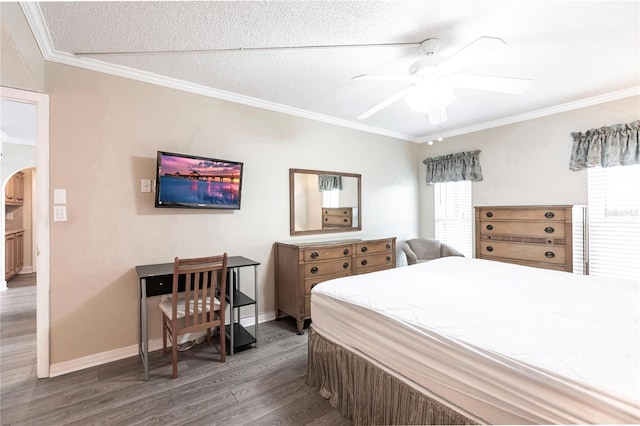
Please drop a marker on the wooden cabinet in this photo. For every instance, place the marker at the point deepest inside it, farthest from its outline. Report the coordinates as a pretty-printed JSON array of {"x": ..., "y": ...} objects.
[
  {"x": 539, "y": 236},
  {"x": 14, "y": 191},
  {"x": 13, "y": 253},
  {"x": 299, "y": 267}
]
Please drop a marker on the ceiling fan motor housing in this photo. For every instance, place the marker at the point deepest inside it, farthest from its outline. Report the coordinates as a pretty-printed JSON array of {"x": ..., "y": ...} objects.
[{"x": 429, "y": 46}]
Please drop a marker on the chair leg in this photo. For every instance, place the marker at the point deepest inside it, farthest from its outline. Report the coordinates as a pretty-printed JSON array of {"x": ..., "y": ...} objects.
[
  {"x": 164, "y": 337},
  {"x": 223, "y": 341},
  {"x": 174, "y": 355}
]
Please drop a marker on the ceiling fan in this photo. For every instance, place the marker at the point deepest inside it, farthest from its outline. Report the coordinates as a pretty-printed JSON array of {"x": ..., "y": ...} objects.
[{"x": 431, "y": 89}]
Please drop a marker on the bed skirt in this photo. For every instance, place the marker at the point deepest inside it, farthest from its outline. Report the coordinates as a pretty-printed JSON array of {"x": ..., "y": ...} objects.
[{"x": 367, "y": 395}]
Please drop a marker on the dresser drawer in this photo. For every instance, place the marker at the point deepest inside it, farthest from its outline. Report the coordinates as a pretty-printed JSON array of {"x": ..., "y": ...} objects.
[
  {"x": 339, "y": 212},
  {"x": 337, "y": 221},
  {"x": 327, "y": 253},
  {"x": 529, "y": 252},
  {"x": 541, "y": 214},
  {"x": 373, "y": 261},
  {"x": 328, "y": 267},
  {"x": 489, "y": 228},
  {"x": 309, "y": 283},
  {"x": 373, "y": 247}
]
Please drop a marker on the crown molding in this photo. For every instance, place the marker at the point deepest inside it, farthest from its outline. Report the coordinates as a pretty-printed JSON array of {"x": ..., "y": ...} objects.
[
  {"x": 36, "y": 21},
  {"x": 556, "y": 109}
]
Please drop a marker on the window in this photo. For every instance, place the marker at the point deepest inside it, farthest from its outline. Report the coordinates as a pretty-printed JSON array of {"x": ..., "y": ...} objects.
[
  {"x": 454, "y": 215},
  {"x": 614, "y": 221}
]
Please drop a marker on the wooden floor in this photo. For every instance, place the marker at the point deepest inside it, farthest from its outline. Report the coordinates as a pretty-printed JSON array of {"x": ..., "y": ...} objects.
[{"x": 264, "y": 386}]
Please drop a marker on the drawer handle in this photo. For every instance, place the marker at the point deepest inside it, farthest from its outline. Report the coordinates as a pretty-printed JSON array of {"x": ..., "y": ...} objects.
[
  {"x": 364, "y": 262},
  {"x": 549, "y": 230},
  {"x": 364, "y": 249},
  {"x": 314, "y": 255},
  {"x": 345, "y": 265},
  {"x": 388, "y": 258},
  {"x": 314, "y": 270},
  {"x": 489, "y": 248},
  {"x": 489, "y": 214},
  {"x": 345, "y": 252},
  {"x": 344, "y": 212},
  {"x": 489, "y": 227},
  {"x": 388, "y": 246},
  {"x": 550, "y": 254},
  {"x": 345, "y": 220},
  {"x": 549, "y": 215}
]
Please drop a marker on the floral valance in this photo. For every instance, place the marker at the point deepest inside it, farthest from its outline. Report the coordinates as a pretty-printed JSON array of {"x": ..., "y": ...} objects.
[
  {"x": 454, "y": 167},
  {"x": 329, "y": 182},
  {"x": 615, "y": 145}
]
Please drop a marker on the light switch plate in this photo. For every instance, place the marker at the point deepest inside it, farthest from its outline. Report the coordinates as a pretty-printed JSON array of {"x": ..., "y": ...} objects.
[
  {"x": 145, "y": 185},
  {"x": 59, "y": 213},
  {"x": 59, "y": 196}
]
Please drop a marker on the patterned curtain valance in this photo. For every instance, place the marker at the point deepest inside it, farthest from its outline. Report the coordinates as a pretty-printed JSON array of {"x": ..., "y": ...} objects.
[
  {"x": 329, "y": 182},
  {"x": 615, "y": 145},
  {"x": 454, "y": 167}
]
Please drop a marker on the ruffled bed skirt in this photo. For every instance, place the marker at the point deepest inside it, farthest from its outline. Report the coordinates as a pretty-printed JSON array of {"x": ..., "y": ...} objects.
[{"x": 367, "y": 395}]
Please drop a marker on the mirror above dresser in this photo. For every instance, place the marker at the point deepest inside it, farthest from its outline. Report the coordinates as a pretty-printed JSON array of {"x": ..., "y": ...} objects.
[{"x": 324, "y": 202}]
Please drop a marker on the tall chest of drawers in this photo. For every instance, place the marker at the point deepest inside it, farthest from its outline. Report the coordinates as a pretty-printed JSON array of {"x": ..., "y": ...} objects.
[
  {"x": 539, "y": 236},
  {"x": 300, "y": 266}
]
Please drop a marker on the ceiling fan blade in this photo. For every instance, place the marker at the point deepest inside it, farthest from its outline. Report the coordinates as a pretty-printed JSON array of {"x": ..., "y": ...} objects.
[
  {"x": 383, "y": 104},
  {"x": 481, "y": 48},
  {"x": 437, "y": 116},
  {"x": 385, "y": 77},
  {"x": 491, "y": 83}
]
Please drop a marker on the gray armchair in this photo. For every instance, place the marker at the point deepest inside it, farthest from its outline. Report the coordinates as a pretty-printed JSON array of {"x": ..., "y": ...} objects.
[{"x": 420, "y": 250}]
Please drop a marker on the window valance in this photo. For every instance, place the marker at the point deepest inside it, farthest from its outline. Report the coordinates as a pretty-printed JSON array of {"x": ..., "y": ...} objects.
[
  {"x": 615, "y": 145},
  {"x": 454, "y": 167},
  {"x": 329, "y": 182}
]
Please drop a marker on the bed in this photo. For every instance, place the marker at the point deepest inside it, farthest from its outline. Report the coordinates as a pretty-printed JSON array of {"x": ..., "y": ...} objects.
[{"x": 463, "y": 341}]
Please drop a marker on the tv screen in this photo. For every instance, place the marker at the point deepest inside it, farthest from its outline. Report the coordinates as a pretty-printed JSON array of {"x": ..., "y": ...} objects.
[{"x": 197, "y": 182}]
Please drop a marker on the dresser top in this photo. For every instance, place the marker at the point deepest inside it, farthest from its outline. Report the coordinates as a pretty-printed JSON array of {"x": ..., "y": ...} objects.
[{"x": 330, "y": 242}]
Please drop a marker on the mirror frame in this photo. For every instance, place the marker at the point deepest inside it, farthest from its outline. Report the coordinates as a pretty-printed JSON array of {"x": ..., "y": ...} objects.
[{"x": 292, "y": 224}]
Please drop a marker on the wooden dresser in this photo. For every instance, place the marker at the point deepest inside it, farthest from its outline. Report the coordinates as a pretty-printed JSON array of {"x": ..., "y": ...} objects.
[
  {"x": 300, "y": 266},
  {"x": 539, "y": 236}
]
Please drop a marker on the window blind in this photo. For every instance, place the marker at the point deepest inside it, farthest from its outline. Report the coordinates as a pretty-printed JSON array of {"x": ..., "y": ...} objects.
[
  {"x": 454, "y": 215},
  {"x": 614, "y": 221}
]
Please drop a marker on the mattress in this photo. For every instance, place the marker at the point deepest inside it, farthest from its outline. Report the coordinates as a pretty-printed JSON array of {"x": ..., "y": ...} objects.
[{"x": 498, "y": 342}]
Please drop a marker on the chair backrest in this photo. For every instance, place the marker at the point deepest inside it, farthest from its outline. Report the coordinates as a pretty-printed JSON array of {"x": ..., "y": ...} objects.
[
  {"x": 424, "y": 249},
  {"x": 202, "y": 280}
]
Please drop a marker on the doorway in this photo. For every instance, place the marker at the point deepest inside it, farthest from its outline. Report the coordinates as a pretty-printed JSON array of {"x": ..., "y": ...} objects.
[{"x": 16, "y": 157}]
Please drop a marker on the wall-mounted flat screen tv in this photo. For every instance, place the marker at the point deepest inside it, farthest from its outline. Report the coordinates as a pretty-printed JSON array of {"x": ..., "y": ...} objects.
[{"x": 191, "y": 181}]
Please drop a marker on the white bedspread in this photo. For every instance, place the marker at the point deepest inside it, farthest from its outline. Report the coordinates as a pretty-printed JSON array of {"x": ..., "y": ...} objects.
[{"x": 501, "y": 342}]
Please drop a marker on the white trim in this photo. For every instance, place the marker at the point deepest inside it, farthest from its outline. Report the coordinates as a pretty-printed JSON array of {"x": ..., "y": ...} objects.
[
  {"x": 41, "y": 231},
  {"x": 569, "y": 106},
  {"x": 36, "y": 21},
  {"x": 130, "y": 351}
]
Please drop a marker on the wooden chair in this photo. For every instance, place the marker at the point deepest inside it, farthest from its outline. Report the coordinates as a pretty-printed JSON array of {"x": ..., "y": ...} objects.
[{"x": 197, "y": 303}]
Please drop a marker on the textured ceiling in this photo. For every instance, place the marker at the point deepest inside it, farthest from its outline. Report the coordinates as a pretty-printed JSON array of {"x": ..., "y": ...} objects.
[{"x": 573, "y": 50}]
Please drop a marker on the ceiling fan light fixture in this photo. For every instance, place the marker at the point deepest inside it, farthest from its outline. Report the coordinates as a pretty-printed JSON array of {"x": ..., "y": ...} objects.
[{"x": 427, "y": 98}]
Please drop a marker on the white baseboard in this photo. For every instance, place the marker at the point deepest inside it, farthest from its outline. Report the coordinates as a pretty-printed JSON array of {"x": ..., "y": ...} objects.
[{"x": 94, "y": 360}]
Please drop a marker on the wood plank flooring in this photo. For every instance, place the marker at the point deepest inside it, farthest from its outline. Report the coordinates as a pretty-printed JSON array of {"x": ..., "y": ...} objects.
[{"x": 264, "y": 386}]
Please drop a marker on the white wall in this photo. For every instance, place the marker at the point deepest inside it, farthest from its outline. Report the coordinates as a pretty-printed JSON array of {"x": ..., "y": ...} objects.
[
  {"x": 526, "y": 163},
  {"x": 105, "y": 132}
]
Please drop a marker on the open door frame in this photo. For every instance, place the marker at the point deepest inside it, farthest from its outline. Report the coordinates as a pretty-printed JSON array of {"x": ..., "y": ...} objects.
[{"x": 41, "y": 102}]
